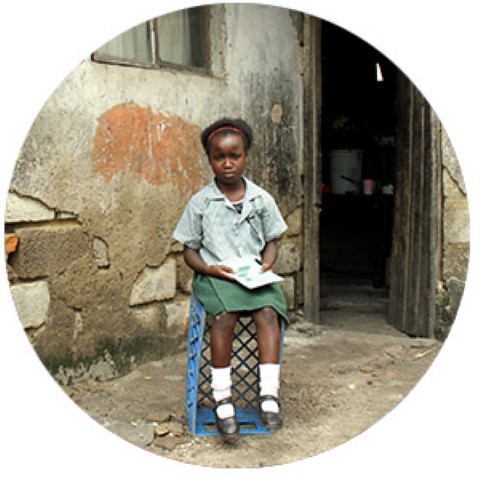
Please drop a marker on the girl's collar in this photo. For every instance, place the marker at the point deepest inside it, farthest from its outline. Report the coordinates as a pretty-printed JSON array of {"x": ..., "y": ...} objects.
[{"x": 251, "y": 190}]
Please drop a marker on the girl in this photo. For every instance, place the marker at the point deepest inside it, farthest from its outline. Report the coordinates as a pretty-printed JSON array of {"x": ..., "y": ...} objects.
[{"x": 232, "y": 217}]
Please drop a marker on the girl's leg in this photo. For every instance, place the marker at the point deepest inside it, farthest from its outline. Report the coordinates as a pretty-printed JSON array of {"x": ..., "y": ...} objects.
[
  {"x": 268, "y": 340},
  {"x": 221, "y": 336},
  {"x": 268, "y": 335}
]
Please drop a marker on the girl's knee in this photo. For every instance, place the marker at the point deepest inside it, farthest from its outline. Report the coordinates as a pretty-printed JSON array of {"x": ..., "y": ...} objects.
[
  {"x": 266, "y": 315},
  {"x": 268, "y": 311},
  {"x": 224, "y": 321}
]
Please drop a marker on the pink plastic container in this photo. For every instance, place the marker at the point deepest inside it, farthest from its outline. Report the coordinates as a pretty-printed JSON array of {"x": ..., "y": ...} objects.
[{"x": 368, "y": 186}]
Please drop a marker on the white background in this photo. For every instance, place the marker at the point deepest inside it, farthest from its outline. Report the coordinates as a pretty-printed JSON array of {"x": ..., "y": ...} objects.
[{"x": 431, "y": 434}]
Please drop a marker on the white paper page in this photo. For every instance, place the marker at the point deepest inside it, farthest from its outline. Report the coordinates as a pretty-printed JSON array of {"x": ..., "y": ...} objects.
[{"x": 248, "y": 272}]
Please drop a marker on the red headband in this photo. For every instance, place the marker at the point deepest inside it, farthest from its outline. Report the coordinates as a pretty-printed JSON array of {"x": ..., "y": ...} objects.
[{"x": 220, "y": 129}]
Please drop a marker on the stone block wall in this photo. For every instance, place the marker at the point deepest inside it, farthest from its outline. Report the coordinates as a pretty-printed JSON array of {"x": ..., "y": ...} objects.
[
  {"x": 69, "y": 297},
  {"x": 289, "y": 262},
  {"x": 455, "y": 235}
]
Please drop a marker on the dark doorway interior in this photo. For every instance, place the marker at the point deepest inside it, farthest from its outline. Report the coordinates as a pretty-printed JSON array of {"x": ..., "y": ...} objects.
[{"x": 358, "y": 136}]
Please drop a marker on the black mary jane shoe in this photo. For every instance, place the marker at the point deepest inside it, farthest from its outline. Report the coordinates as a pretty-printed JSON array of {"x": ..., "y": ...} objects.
[
  {"x": 227, "y": 427},
  {"x": 271, "y": 420}
]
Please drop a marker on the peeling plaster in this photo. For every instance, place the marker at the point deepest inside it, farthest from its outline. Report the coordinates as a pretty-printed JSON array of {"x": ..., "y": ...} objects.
[
  {"x": 162, "y": 148},
  {"x": 276, "y": 113}
]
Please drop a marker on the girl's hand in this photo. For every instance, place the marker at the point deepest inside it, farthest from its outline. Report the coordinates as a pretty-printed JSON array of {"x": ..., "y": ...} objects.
[
  {"x": 220, "y": 271},
  {"x": 265, "y": 267},
  {"x": 269, "y": 255},
  {"x": 195, "y": 262}
]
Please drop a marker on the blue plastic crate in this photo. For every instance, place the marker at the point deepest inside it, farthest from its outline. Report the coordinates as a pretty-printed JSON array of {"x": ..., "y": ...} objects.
[
  {"x": 199, "y": 404},
  {"x": 195, "y": 340}
]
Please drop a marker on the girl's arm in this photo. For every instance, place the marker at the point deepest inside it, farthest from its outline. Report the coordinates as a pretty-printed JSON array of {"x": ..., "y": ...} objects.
[
  {"x": 269, "y": 255},
  {"x": 196, "y": 263}
]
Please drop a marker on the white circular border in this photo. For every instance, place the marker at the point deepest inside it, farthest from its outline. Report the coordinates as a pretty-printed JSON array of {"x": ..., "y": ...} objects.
[{"x": 43, "y": 433}]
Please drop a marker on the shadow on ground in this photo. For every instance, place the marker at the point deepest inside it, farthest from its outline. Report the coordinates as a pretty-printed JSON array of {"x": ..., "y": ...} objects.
[{"x": 338, "y": 378}]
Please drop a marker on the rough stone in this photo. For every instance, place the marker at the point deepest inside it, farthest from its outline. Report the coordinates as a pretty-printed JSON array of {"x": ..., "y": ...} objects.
[
  {"x": 456, "y": 222},
  {"x": 455, "y": 262},
  {"x": 31, "y": 302},
  {"x": 155, "y": 284},
  {"x": 100, "y": 253},
  {"x": 289, "y": 259},
  {"x": 367, "y": 369},
  {"x": 173, "y": 428},
  {"x": 450, "y": 161},
  {"x": 455, "y": 289},
  {"x": 12, "y": 277},
  {"x": 288, "y": 287},
  {"x": 149, "y": 317},
  {"x": 184, "y": 275},
  {"x": 159, "y": 417},
  {"x": 168, "y": 442},
  {"x": 295, "y": 222},
  {"x": 177, "y": 316},
  {"x": 46, "y": 251},
  {"x": 451, "y": 189},
  {"x": 176, "y": 247},
  {"x": 23, "y": 209},
  {"x": 162, "y": 429}
]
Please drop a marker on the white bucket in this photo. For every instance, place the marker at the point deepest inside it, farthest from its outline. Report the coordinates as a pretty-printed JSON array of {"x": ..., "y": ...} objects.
[{"x": 346, "y": 171}]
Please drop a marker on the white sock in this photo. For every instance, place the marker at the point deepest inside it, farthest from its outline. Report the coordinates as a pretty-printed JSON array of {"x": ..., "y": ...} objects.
[
  {"x": 269, "y": 385},
  {"x": 221, "y": 388}
]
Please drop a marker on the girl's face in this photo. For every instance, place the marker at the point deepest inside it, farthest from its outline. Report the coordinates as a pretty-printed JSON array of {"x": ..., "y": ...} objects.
[{"x": 227, "y": 158}]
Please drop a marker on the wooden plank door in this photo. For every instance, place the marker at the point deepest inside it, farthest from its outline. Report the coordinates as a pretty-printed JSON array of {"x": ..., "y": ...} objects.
[{"x": 414, "y": 257}]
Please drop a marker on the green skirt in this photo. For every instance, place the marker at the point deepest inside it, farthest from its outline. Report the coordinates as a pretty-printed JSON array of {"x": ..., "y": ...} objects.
[{"x": 218, "y": 295}]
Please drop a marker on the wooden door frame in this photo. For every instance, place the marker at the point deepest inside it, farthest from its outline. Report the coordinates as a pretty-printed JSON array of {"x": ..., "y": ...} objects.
[{"x": 312, "y": 91}]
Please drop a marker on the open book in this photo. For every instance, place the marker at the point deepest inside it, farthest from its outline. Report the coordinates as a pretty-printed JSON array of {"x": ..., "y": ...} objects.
[{"x": 248, "y": 272}]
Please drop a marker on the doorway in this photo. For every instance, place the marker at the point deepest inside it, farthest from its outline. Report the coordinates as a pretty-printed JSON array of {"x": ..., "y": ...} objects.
[{"x": 358, "y": 129}]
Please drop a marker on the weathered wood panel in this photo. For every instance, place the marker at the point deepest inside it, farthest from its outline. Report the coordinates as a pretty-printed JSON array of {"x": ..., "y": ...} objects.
[
  {"x": 312, "y": 169},
  {"x": 415, "y": 232}
]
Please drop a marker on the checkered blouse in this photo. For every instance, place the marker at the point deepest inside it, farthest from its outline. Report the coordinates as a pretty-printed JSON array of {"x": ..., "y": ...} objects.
[{"x": 213, "y": 226}]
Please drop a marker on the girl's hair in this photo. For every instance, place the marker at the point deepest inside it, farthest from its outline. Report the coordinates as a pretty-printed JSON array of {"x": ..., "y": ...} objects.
[{"x": 226, "y": 126}]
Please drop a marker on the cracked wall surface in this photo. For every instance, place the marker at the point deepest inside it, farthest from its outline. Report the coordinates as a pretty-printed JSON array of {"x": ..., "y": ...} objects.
[{"x": 105, "y": 172}]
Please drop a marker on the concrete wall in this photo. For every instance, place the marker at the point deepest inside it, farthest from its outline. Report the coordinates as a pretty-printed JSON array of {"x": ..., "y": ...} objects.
[{"x": 105, "y": 172}]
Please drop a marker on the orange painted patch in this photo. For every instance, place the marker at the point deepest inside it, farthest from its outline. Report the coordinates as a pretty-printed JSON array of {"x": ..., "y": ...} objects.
[
  {"x": 11, "y": 242},
  {"x": 161, "y": 148}
]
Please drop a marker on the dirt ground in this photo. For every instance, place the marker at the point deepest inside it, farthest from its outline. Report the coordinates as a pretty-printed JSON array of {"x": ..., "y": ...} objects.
[{"x": 338, "y": 378}]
